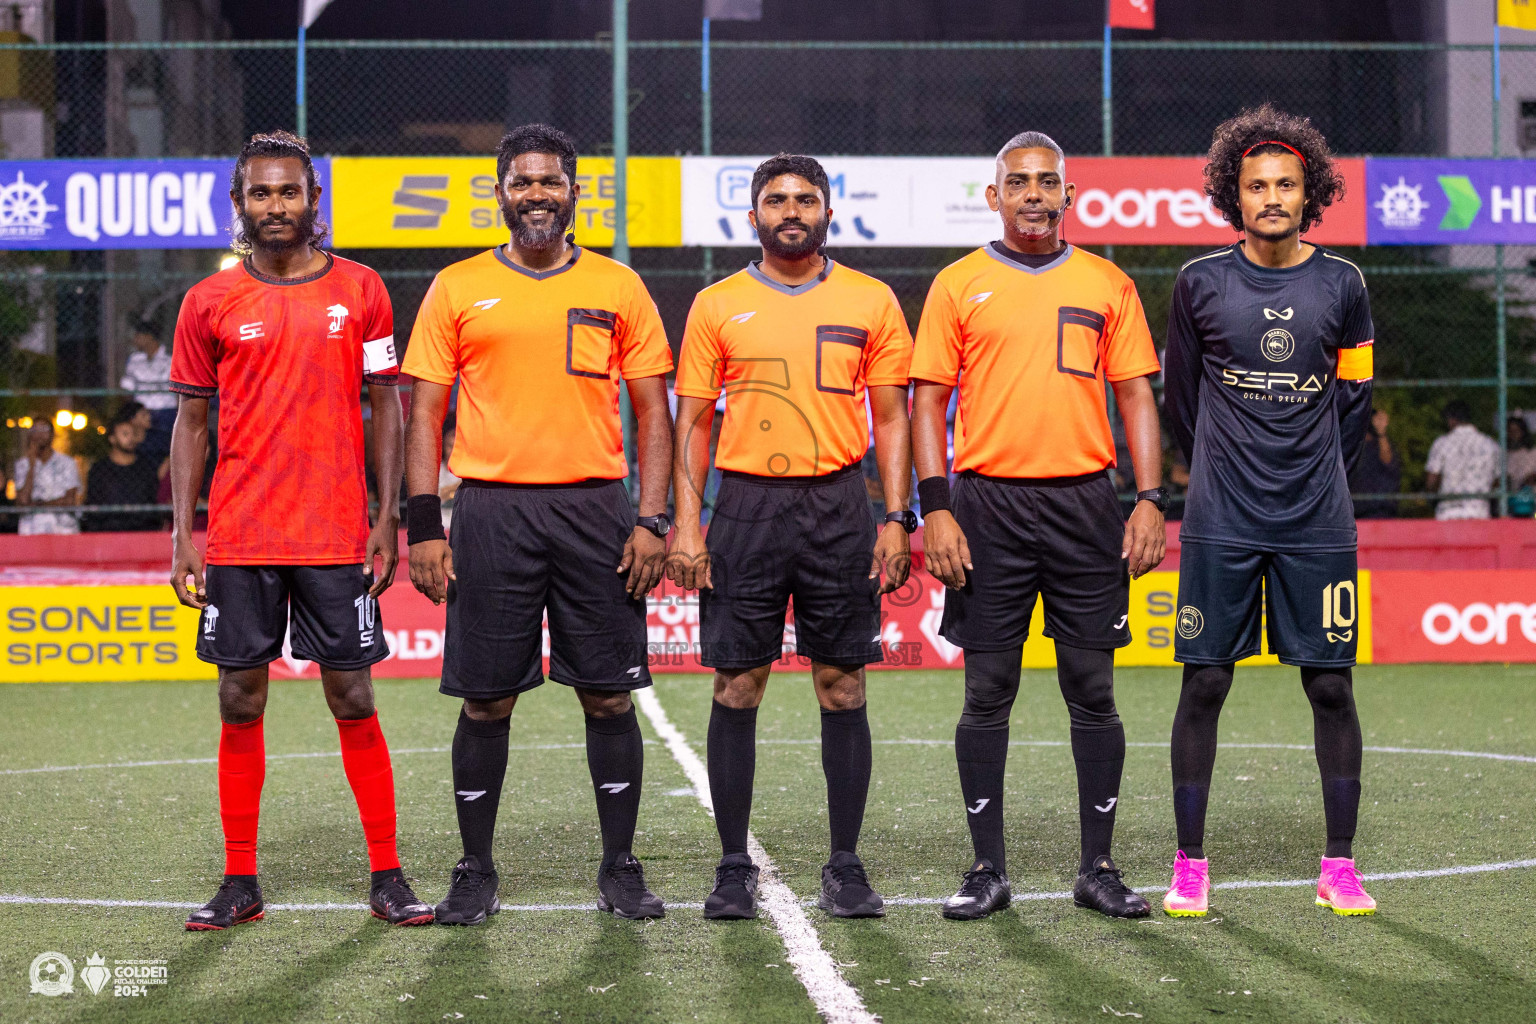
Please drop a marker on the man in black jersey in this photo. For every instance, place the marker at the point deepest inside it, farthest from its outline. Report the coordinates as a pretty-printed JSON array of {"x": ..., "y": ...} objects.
[{"x": 1267, "y": 384}]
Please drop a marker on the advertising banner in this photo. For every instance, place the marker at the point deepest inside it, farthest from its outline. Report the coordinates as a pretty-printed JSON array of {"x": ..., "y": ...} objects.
[
  {"x": 120, "y": 204},
  {"x": 1484, "y": 615},
  {"x": 75, "y": 632},
  {"x": 414, "y": 202},
  {"x": 1451, "y": 202},
  {"x": 941, "y": 201}
]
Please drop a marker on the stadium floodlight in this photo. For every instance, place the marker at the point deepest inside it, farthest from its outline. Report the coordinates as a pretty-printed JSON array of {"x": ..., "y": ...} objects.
[
  {"x": 78, "y": 422},
  {"x": 63, "y": 417}
]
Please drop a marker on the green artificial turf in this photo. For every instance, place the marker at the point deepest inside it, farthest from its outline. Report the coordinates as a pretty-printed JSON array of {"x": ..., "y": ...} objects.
[{"x": 1457, "y": 948}]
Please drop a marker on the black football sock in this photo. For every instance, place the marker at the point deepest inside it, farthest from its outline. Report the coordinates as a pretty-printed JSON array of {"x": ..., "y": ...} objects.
[
  {"x": 982, "y": 756},
  {"x": 1336, "y": 735},
  {"x": 732, "y": 757},
  {"x": 981, "y": 747},
  {"x": 479, "y": 766},
  {"x": 1193, "y": 750},
  {"x": 845, "y": 761},
  {"x": 1087, "y": 679},
  {"x": 616, "y": 759}
]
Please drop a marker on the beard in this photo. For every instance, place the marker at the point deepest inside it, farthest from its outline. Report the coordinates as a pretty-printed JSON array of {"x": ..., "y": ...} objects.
[
  {"x": 814, "y": 238},
  {"x": 1274, "y": 231},
  {"x": 305, "y": 230},
  {"x": 528, "y": 236}
]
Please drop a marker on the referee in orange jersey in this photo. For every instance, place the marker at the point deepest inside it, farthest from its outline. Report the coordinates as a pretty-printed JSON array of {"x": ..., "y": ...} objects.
[
  {"x": 797, "y": 342},
  {"x": 1030, "y": 329}
]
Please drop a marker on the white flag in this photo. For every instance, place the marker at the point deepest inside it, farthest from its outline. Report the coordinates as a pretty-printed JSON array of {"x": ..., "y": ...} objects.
[{"x": 312, "y": 9}]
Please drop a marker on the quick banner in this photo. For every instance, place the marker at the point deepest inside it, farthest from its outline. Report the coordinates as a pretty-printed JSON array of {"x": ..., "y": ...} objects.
[
  {"x": 121, "y": 204},
  {"x": 1451, "y": 202}
]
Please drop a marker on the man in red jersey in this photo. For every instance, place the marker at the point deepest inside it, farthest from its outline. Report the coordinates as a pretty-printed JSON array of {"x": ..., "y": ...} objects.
[{"x": 286, "y": 338}]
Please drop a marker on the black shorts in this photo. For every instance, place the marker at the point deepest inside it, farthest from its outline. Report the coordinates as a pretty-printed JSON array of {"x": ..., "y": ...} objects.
[
  {"x": 335, "y": 622},
  {"x": 1059, "y": 537},
  {"x": 521, "y": 549},
  {"x": 1311, "y": 596},
  {"x": 806, "y": 538}
]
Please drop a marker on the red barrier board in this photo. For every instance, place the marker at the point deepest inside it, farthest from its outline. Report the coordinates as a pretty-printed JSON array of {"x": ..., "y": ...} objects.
[
  {"x": 1475, "y": 616},
  {"x": 1159, "y": 200}
]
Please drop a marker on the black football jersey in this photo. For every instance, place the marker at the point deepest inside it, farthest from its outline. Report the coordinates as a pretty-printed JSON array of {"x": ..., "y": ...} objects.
[{"x": 1253, "y": 390}]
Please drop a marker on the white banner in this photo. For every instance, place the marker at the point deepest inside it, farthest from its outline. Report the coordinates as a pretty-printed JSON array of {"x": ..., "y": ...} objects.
[{"x": 876, "y": 201}]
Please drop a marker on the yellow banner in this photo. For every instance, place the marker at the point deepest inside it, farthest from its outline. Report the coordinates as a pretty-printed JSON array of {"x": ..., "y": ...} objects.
[
  {"x": 1517, "y": 13},
  {"x": 411, "y": 202},
  {"x": 1154, "y": 616},
  {"x": 73, "y": 634}
]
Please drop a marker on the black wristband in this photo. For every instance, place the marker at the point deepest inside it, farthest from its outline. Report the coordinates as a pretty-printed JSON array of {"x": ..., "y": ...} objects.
[
  {"x": 933, "y": 494},
  {"x": 424, "y": 518}
]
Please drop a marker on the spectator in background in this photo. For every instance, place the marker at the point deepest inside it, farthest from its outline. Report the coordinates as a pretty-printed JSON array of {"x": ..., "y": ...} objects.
[
  {"x": 124, "y": 477},
  {"x": 1522, "y": 457},
  {"x": 1463, "y": 460},
  {"x": 1378, "y": 469},
  {"x": 148, "y": 376},
  {"x": 44, "y": 477}
]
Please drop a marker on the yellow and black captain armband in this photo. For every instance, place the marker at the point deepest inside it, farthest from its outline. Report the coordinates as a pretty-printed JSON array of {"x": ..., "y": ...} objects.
[{"x": 1357, "y": 364}]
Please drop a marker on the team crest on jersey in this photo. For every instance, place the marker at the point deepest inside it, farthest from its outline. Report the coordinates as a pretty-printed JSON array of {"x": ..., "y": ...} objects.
[
  {"x": 1277, "y": 344},
  {"x": 1191, "y": 622},
  {"x": 338, "y": 314}
]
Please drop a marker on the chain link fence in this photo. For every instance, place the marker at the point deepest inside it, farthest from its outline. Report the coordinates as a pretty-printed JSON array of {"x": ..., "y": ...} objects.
[{"x": 67, "y": 318}]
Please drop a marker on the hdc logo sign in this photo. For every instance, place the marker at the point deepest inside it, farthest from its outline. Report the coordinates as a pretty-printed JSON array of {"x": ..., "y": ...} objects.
[{"x": 1487, "y": 615}]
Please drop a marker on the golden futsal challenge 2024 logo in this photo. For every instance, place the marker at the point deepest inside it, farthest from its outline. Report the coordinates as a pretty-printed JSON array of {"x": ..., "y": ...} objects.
[{"x": 53, "y": 974}]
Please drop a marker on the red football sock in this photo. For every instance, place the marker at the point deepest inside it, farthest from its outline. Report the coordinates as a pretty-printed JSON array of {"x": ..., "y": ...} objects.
[
  {"x": 365, "y": 756},
  {"x": 242, "y": 770}
]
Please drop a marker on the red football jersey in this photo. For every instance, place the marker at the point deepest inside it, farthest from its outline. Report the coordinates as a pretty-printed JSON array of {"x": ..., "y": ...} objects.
[{"x": 287, "y": 359}]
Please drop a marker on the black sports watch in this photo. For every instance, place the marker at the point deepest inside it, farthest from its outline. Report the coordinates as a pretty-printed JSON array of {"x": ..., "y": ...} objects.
[
  {"x": 660, "y": 525},
  {"x": 906, "y": 517},
  {"x": 1158, "y": 496}
]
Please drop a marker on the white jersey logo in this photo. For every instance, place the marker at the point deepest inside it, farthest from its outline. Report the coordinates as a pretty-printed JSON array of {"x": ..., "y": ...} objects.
[
  {"x": 741, "y": 318},
  {"x": 979, "y": 297},
  {"x": 1284, "y": 314},
  {"x": 210, "y": 620},
  {"x": 485, "y": 303},
  {"x": 250, "y": 332},
  {"x": 338, "y": 314}
]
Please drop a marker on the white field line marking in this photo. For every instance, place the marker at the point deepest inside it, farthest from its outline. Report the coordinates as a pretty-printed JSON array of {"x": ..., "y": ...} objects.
[
  {"x": 836, "y": 1000},
  {"x": 900, "y": 901},
  {"x": 1520, "y": 758}
]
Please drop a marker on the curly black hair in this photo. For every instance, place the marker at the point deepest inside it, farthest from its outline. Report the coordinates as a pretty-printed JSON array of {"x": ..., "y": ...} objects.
[
  {"x": 1323, "y": 184},
  {"x": 278, "y": 145}
]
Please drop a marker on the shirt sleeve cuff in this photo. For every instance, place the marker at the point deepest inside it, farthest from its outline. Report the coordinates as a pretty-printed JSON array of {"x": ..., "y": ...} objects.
[
  {"x": 687, "y": 391},
  {"x": 656, "y": 370},
  {"x": 430, "y": 376},
  {"x": 194, "y": 390},
  {"x": 1145, "y": 371},
  {"x": 391, "y": 379}
]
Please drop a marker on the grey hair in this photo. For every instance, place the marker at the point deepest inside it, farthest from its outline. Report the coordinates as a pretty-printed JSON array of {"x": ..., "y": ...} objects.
[{"x": 1032, "y": 140}]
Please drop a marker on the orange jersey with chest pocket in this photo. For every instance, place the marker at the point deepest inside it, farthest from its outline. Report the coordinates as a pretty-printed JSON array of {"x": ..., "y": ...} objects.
[
  {"x": 794, "y": 363},
  {"x": 1031, "y": 350},
  {"x": 539, "y": 358}
]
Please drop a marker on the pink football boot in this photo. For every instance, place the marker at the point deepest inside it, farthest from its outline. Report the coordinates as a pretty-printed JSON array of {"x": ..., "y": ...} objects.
[
  {"x": 1339, "y": 889},
  {"x": 1189, "y": 893}
]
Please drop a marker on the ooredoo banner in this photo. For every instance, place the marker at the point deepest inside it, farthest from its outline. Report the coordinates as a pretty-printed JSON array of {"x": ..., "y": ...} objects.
[
  {"x": 941, "y": 201},
  {"x": 1480, "y": 615}
]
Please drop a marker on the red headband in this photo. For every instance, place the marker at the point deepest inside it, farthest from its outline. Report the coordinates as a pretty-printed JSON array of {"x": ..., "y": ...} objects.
[{"x": 1276, "y": 142}]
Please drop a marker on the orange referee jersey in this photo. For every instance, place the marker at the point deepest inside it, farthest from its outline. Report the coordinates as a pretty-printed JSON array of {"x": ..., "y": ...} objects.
[
  {"x": 794, "y": 363},
  {"x": 1031, "y": 350},
  {"x": 538, "y": 357}
]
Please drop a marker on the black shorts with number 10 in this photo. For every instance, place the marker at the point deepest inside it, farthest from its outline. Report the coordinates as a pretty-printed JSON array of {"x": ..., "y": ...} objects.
[{"x": 1308, "y": 599}]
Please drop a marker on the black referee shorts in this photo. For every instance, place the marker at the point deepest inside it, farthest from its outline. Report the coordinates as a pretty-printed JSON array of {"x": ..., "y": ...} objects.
[
  {"x": 1060, "y": 537},
  {"x": 521, "y": 549},
  {"x": 335, "y": 623},
  {"x": 1308, "y": 599},
  {"x": 777, "y": 538}
]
